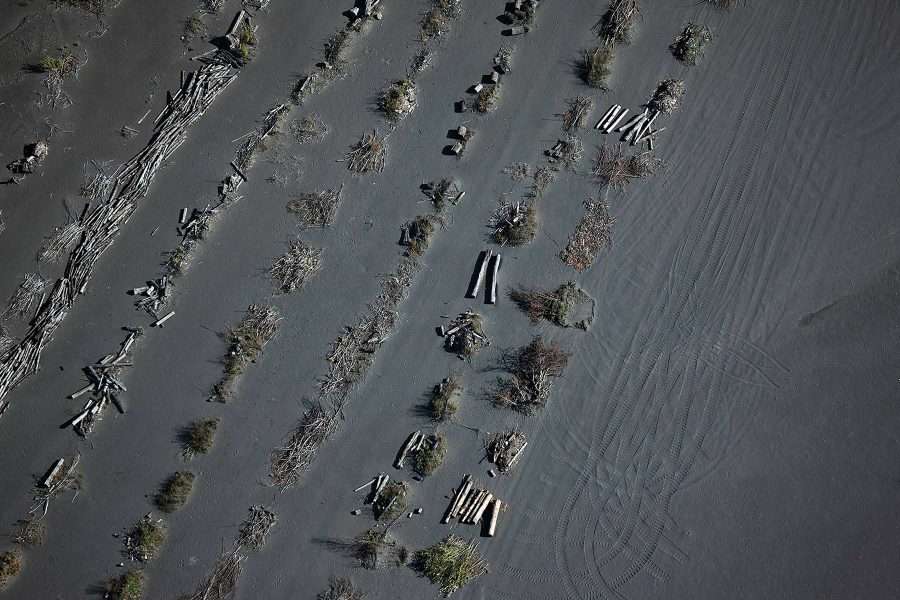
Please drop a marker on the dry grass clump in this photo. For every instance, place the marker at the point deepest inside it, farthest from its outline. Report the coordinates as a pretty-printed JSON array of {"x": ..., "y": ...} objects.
[
  {"x": 451, "y": 563},
  {"x": 332, "y": 53},
  {"x": 31, "y": 532},
  {"x": 175, "y": 491},
  {"x": 552, "y": 306},
  {"x": 316, "y": 209},
  {"x": 541, "y": 180},
  {"x": 10, "y": 566},
  {"x": 398, "y": 100},
  {"x": 246, "y": 341},
  {"x": 310, "y": 128},
  {"x": 614, "y": 27},
  {"x": 519, "y": 171},
  {"x": 368, "y": 154},
  {"x": 688, "y": 46},
  {"x": 436, "y": 21},
  {"x": 616, "y": 169},
  {"x": 431, "y": 455},
  {"x": 505, "y": 448},
  {"x": 418, "y": 233},
  {"x": 376, "y": 547},
  {"x": 293, "y": 458},
  {"x": 221, "y": 583},
  {"x": 443, "y": 402},
  {"x": 64, "y": 65},
  {"x": 198, "y": 437},
  {"x": 255, "y": 530},
  {"x": 295, "y": 267},
  {"x": 391, "y": 502},
  {"x": 441, "y": 192},
  {"x": 128, "y": 586},
  {"x": 488, "y": 98},
  {"x": 340, "y": 588},
  {"x": 514, "y": 223},
  {"x": 592, "y": 234},
  {"x": 145, "y": 539},
  {"x": 533, "y": 369},
  {"x": 667, "y": 97},
  {"x": 577, "y": 110},
  {"x": 595, "y": 66}
]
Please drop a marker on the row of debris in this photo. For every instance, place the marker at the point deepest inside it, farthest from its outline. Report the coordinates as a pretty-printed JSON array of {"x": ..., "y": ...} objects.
[
  {"x": 487, "y": 266},
  {"x": 636, "y": 130},
  {"x": 470, "y": 504}
]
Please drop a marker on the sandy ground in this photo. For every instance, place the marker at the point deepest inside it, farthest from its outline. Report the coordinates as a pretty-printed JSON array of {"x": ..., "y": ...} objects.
[{"x": 728, "y": 426}]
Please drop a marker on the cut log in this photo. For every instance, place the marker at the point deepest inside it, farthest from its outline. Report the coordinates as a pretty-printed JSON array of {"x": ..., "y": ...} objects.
[
  {"x": 609, "y": 114},
  {"x": 478, "y": 275},
  {"x": 631, "y": 122},
  {"x": 411, "y": 441},
  {"x": 494, "y": 516},
  {"x": 482, "y": 507},
  {"x": 52, "y": 473},
  {"x": 161, "y": 322},
  {"x": 493, "y": 279},
  {"x": 461, "y": 491},
  {"x": 365, "y": 485}
]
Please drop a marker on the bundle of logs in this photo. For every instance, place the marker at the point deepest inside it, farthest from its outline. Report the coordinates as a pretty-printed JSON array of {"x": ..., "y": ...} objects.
[{"x": 470, "y": 505}]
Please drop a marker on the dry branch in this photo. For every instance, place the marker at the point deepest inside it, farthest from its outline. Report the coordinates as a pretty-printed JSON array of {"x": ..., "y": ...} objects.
[
  {"x": 295, "y": 267},
  {"x": 255, "y": 530},
  {"x": 290, "y": 461},
  {"x": 316, "y": 209},
  {"x": 533, "y": 369},
  {"x": 368, "y": 154},
  {"x": 592, "y": 234},
  {"x": 577, "y": 111}
]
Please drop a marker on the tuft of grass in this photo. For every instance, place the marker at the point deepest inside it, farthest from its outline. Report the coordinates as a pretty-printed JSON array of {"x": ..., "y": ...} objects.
[
  {"x": 145, "y": 539},
  {"x": 514, "y": 224},
  {"x": 443, "y": 402},
  {"x": 199, "y": 436},
  {"x": 688, "y": 46},
  {"x": 340, "y": 588},
  {"x": 431, "y": 455},
  {"x": 420, "y": 231},
  {"x": 595, "y": 66},
  {"x": 63, "y": 65},
  {"x": 10, "y": 566},
  {"x": 128, "y": 586},
  {"x": 399, "y": 99},
  {"x": 391, "y": 501},
  {"x": 246, "y": 341},
  {"x": 175, "y": 491},
  {"x": 368, "y": 154},
  {"x": 615, "y": 25},
  {"x": 451, "y": 563},
  {"x": 552, "y": 306},
  {"x": 247, "y": 42}
]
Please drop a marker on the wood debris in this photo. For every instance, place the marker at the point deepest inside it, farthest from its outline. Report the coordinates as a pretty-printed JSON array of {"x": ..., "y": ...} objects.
[
  {"x": 576, "y": 113},
  {"x": 469, "y": 504},
  {"x": 566, "y": 152},
  {"x": 316, "y": 209},
  {"x": 442, "y": 192},
  {"x": 478, "y": 275},
  {"x": 291, "y": 460},
  {"x": 246, "y": 341},
  {"x": 152, "y": 296},
  {"x": 295, "y": 267},
  {"x": 504, "y": 449},
  {"x": 368, "y": 154},
  {"x": 34, "y": 155},
  {"x": 465, "y": 336},
  {"x": 62, "y": 476},
  {"x": 25, "y": 296},
  {"x": 592, "y": 234},
  {"x": 255, "y": 530}
]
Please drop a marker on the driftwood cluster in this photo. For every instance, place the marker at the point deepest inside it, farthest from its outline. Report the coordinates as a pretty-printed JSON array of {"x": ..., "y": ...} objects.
[
  {"x": 289, "y": 461},
  {"x": 340, "y": 588},
  {"x": 427, "y": 452},
  {"x": 576, "y": 113},
  {"x": 436, "y": 21},
  {"x": 688, "y": 47},
  {"x": 465, "y": 336},
  {"x": 399, "y": 99},
  {"x": 255, "y": 530},
  {"x": 504, "y": 449},
  {"x": 295, "y": 267},
  {"x": 34, "y": 155},
  {"x": 593, "y": 233},
  {"x": 513, "y": 223},
  {"x": 309, "y": 129},
  {"x": 667, "y": 96},
  {"x": 636, "y": 130},
  {"x": 416, "y": 234},
  {"x": 566, "y": 152},
  {"x": 442, "y": 192}
]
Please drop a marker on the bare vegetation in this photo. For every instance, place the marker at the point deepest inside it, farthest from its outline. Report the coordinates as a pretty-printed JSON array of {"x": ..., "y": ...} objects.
[
  {"x": 309, "y": 129},
  {"x": 667, "y": 97},
  {"x": 614, "y": 168},
  {"x": 199, "y": 436},
  {"x": 554, "y": 306},
  {"x": 451, "y": 563},
  {"x": 689, "y": 45},
  {"x": 577, "y": 111},
  {"x": 505, "y": 448},
  {"x": 376, "y": 547},
  {"x": 391, "y": 502},
  {"x": 175, "y": 491},
  {"x": 615, "y": 25},
  {"x": 255, "y": 530},
  {"x": 443, "y": 402},
  {"x": 144, "y": 541},
  {"x": 567, "y": 152},
  {"x": 431, "y": 455},
  {"x": 246, "y": 341},
  {"x": 295, "y": 267},
  {"x": 468, "y": 337},
  {"x": 513, "y": 223},
  {"x": 340, "y": 588},
  {"x": 293, "y": 458},
  {"x": 595, "y": 66},
  {"x": 399, "y": 99},
  {"x": 316, "y": 209},
  {"x": 368, "y": 154},
  {"x": 436, "y": 21},
  {"x": 533, "y": 369},
  {"x": 592, "y": 234}
]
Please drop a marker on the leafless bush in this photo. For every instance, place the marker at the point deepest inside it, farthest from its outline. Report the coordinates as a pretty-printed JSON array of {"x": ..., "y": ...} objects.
[
  {"x": 256, "y": 528},
  {"x": 614, "y": 168},
  {"x": 533, "y": 369},
  {"x": 614, "y": 27},
  {"x": 340, "y": 589},
  {"x": 310, "y": 128},
  {"x": 504, "y": 449},
  {"x": 316, "y": 209},
  {"x": 595, "y": 66},
  {"x": 577, "y": 110},
  {"x": 368, "y": 154},
  {"x": 592, "y": 234},
  {"x": 667, "y": 97},
  {"x": 295, "y": 267}
]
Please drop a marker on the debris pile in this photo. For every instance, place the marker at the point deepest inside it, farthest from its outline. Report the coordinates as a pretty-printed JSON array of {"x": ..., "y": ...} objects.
[
  {"x": 290, "y": 460},
  {"x": 340, "y": 588},
  {"x": 503, "y": 60},
  {"x": 255, "y": 530},
  {"x": 667, "y": 97},
  {"x": 145, "y": 539},
  {"x": 153, "y": 295},
  {"x": 614, "y": 27},
  {"x": 103, "y": 385},
  {"x": 614, "y": 168},
  {"x": 443, "y": 402},
  {"x": 428, "y": 452},
  {"x": 504, "y": 449},
  {"x": 368, "y": 154},
  {"x": 309, "y": 129},
  {"x": 295, "y": 267},
  {"x": 63, "y": 475},
  {"x": 441, "y": 192},
  {"x": 533, "y": 370},
  {"x": 464, "y": 336},
  {"x": 399, "y": 100},
  {"x": 34, "y": 155},
  {"x": 520, "y": 15},
  {"x": 59, "y": 243},
  {"x": 416, "y": 234},
  {"x": 592, "y": 234},
  {"x": 28, "y": 293},
  {"x": 566, "y": 152},
  {"x": 689, "y": 45},
  {"x": 436, "y": 21},
  {"x": 513, "y": 223},
  {"x": 462, "y": 135},
  {"x": 316, "y": 209},
  {"x": 577, "y": 111}
]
